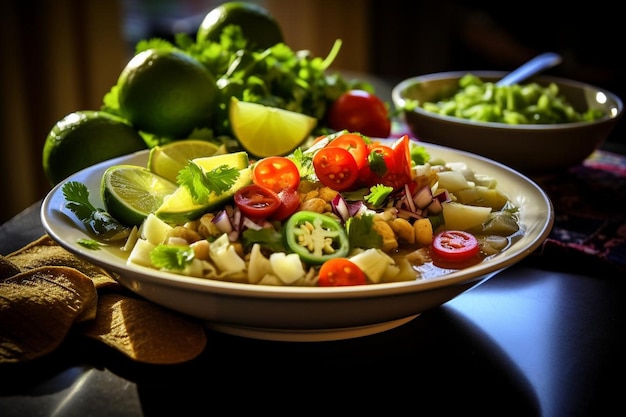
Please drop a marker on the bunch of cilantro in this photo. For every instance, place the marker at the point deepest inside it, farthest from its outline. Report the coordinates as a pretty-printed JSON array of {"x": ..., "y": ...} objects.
[{"x": 277, "y": 76}]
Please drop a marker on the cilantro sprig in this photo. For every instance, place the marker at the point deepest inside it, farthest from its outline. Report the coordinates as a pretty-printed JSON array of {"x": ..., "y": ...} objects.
[
  {"x": 97, "y": 220},
  {"x": 202, "y": 184},
  {"x": 170, "y": 257}
]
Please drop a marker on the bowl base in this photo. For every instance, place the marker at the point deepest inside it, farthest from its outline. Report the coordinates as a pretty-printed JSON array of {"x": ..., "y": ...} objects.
[{"x": 309, "y": 335}]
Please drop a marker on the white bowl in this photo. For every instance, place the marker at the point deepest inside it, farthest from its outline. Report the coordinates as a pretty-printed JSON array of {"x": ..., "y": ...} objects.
[
  {"x": 529, "y": 148},
  {"x": 303, "y": 313}
]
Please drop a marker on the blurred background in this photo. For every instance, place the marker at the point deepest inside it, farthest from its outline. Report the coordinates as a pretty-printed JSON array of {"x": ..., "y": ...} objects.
[{"x": 59, "y": 56}]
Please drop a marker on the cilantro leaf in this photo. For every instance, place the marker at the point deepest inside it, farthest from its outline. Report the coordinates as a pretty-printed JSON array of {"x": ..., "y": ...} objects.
[
  {"x": 419, "y": 155},
  {"x": 202, "y": 184},
  {"x": 267, "y": 237},
  {"x": 174, "y": 258},
  {"x": 97, "y": 220},
  {"x": 304, "y": 162},
  {"x": 361, "y": 234},
  {"x": 377, "y": 163},
  {"x": 378, "y": 194},
  {"x": 89, "y": 243}
]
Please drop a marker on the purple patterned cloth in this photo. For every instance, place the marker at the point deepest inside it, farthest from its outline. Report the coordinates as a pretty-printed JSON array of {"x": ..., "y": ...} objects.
[{"x": 590, "y": 215}]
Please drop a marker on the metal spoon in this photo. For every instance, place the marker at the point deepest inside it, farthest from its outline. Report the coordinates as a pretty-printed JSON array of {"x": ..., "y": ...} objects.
[{"x": 530, "y": 68}]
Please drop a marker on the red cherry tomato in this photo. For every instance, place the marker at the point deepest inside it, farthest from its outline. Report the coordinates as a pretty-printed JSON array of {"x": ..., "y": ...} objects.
[
  {"x": 256, "y": 201},
  {"x": 455, "y": 246},
  {"x": 360, "y": 111},
  {"x": 338, "y": 272},
  {"x": 400, "y": 173},
  {"x": 289, "y": 203},
  {"x": 353, "y": 143},
  {"x": 335, "y": 168},
  {"x": 276, "y": 173}
]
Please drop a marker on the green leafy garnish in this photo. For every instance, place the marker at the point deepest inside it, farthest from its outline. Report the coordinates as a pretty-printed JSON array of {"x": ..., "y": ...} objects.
[
  {"x": 304, "y": 162},
  {"x": 97, "y": 220},
  {"x": 419, "y": 155},
  {"x": 202, "y": 184},
  {"x": 89, "y": 243},
  {"x": 361, "y": 234},
  {"x": 277, "y": 76},
  {"x": 378, "y": 194},
  {"x": 377, "y": 163},
  {"x": 267, "y": 237},
  {"x": 170, "y": 257}
]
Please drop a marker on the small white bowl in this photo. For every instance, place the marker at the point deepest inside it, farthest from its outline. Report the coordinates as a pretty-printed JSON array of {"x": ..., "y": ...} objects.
[{"x": 529, "y": 148}]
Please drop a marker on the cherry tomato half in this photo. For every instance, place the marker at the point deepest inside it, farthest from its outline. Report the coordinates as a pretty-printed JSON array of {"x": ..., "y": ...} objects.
[
  {"x": 335, "y": 168},
  {"x": 276, "y": 173},
  {"x": 256, "y": 201},
  {"x": 360, "y": 111},
  {"x": 400, "y": 172},
  {"x": 289, "y": 203},
  {"x": 455, "y": 245},
  {"x": 353, "y": 143},
  {"x": 338, "y": 272}
]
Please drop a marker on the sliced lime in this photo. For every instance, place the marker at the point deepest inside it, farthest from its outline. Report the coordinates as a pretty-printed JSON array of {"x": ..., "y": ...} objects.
[
  {"x": 130, "y": 192},
  {"x": 267, "y": 131}
]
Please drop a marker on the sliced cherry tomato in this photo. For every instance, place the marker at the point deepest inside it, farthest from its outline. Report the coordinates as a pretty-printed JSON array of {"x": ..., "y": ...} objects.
[
  {"x": 289, "y": 203},
  {"x": 360, "y": 111},
  {"x": 455, "y": 246},
  {"x": 355, "y": 144},
  {"x": 400, "y": 172},
  {"x": 276, "y": 173},
  {"x": 256, "y": 201},
  {"x": 335, "y": 168},
  {"x": 338, "y": 272}
]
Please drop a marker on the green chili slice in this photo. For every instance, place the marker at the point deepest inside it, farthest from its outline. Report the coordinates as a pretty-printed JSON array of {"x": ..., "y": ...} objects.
[{"x": 315, "y": 237}]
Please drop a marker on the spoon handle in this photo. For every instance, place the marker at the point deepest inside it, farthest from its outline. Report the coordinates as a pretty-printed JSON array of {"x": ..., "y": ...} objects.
[{"x": 530, "y": 68}]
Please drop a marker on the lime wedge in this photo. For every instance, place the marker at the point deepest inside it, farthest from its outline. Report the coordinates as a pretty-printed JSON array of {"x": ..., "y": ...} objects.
[
  {"x": 131, "y": 192},
  {"x": 180, "y": 207},
  {"x": 267, "y": 131},
  {"x": 167, "y": 160}
]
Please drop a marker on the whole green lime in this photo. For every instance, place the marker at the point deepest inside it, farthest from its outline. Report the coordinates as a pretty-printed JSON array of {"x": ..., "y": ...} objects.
[
  {"x": 83, "y": 138},
  {"x": 257, "y": 24},
  {"x": 167, "y": 93}
]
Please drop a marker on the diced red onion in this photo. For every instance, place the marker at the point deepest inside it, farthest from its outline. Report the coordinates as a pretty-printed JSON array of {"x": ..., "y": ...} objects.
[
  {"x": 409, "y": 201},
  {"x": 340, "y": 207},
  {"x": 222, "y": 222},
  {"x": 423, "y": 197},
  {"x": 443, "y": 196},
  {"x": 435, "y": 206},
  {"x": 406, "y": 214}
]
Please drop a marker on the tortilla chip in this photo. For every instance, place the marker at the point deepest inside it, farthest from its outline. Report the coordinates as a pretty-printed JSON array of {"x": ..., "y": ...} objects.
[
  {"x": 38, "y": 308},
  {"x": 45, "y": 251},
  {"x": 7, "y": 268},
  {"x": 145, "y": 331}
]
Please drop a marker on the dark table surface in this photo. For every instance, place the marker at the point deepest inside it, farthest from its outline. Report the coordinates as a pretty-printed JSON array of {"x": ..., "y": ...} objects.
[{"x": 545, "y": 337}]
